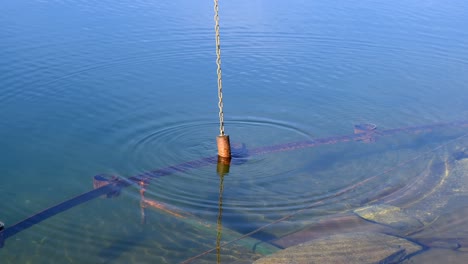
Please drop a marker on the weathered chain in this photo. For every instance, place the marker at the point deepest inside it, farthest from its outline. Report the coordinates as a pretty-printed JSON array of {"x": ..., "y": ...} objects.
[{"x": 218, "y": 62}]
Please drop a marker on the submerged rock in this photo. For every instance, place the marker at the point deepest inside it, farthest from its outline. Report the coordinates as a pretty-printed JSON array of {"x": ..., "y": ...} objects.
[
  {"x": 449, "y": 230},
  {"x": 389, "y": 215},
  {"x": 361, "y": 247},
  {"x": 437, "y": 256}
]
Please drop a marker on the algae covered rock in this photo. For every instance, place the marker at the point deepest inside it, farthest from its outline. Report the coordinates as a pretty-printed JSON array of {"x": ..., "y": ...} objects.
[{"x": 361, "y": 247}]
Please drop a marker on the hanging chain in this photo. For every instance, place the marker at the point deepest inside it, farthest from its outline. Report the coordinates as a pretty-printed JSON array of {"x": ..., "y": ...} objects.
[{"x": 218, "y": 62}]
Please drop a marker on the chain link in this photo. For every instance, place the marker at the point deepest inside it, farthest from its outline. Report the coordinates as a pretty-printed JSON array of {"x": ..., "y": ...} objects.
[{"x": 218, "y": 63}]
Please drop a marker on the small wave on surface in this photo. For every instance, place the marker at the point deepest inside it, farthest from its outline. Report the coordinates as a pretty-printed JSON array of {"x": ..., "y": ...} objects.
[
  {"x": 257, "y": 186},
  {"x": 151, "y": 146}
]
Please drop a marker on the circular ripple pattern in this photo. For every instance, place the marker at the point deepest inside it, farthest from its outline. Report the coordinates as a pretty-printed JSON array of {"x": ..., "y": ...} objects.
[
  {"x": 263, "y": 185},
  {"x": 152, "y": 146},
  {"x": 128, "y": 87}
]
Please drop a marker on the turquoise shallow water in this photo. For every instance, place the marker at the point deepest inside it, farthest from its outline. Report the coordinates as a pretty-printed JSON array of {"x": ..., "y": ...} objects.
[{"x": 90, "y": 87}]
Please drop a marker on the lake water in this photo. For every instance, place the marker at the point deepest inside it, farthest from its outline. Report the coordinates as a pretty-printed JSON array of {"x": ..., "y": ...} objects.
[{"x": 125, "y": 87}]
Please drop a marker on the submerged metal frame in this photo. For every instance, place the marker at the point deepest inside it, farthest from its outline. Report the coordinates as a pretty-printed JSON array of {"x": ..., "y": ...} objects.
[{"x": 363, "y": 132}]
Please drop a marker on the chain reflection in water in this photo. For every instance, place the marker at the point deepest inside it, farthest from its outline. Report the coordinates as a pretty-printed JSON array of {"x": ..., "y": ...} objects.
[
  {"x": 222, "y": 169},
  {"x": 219, "y": 226}
]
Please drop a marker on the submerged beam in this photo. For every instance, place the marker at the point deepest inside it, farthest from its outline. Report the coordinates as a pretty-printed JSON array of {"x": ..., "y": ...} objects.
[
  {"x": 118, "y": 183},
  {"x": 56, "y": 209}
]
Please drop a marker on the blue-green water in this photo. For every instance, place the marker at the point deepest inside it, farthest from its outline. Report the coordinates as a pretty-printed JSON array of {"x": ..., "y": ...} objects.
[{"x": 123, "y": 87}]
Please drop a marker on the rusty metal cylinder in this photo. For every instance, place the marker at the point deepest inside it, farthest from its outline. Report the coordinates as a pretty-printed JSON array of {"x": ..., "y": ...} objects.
[{"x": 224, "y": 146}]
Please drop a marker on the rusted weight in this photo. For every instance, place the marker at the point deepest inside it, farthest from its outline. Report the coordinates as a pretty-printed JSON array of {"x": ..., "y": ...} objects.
[{"x": 224, "y": 146}]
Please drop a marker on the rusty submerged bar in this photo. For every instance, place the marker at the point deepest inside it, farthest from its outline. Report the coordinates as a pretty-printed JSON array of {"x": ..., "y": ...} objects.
[{"x": 116, "y": 183}]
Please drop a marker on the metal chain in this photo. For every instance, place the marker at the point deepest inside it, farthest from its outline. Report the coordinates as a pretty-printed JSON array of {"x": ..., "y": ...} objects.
[{"x": 218, "y": 62}]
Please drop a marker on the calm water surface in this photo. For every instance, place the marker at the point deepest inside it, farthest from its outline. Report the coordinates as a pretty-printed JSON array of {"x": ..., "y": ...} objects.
[{"x": 125, "y": 87}]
